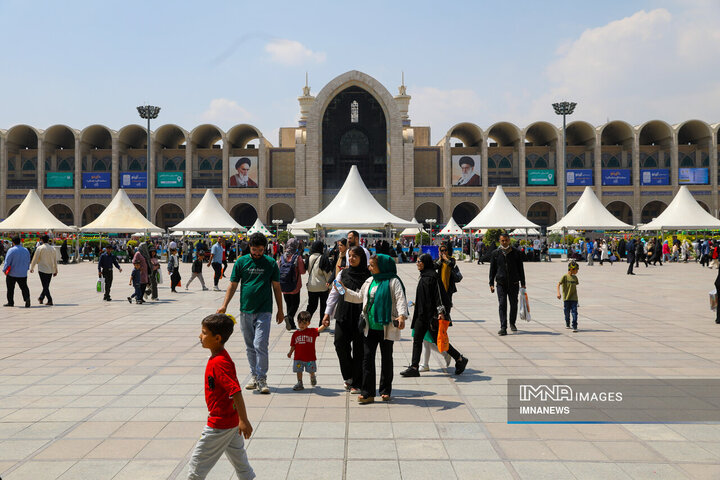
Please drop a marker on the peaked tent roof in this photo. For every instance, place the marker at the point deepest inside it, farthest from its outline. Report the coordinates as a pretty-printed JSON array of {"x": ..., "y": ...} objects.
[
  {"x": 120, "y": 216},
  {"x": 259, "y": 227},
  {"x": 451, "y": 228},
  {"x": 33, "y": 216},
  {"x": 522, "y": 232},
  {"x": 499, "y": 213},
  {"x": 411, "y": 231},
  {"x": 208, "y": 216},
  {"x": 353, "y": 207},
  {"x": 296, "y": 232},
  {"x": 683, "y": 213},
  {"x": 589, "y": 214}
]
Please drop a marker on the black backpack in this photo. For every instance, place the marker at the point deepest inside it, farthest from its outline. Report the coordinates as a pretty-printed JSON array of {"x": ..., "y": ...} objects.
[{"x": 288, "y": 279}]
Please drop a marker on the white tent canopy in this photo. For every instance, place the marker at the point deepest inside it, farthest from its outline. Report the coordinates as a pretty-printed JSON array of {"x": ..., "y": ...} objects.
[
  {"x": 33, "y": 216},
  {"x": 522, "y": 232},
  {"x": 186, "y": 233},
  {"x": 589, "y": 214},
  {"x": 120, "y": 216},
  {"x": 362, "y": 232},
  {"x": 411, "y": 231},
  {"x": 208, "y": 216},
  {"x": 683, "y": 213},
  {"x": 259, "y": 227},
  {"x": 295, "y": 232},
  {"x": 142, "y": 234},
  {"x": 499, "y": 213},
  {"x": 451, "y": 228},
  {"x": 353, "y": 207}
]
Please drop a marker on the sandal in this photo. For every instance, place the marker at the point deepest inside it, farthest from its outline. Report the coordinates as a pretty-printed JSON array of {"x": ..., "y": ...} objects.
[
  {"x": 364, "y": 400},
  {"x": 386, "y": 398}
]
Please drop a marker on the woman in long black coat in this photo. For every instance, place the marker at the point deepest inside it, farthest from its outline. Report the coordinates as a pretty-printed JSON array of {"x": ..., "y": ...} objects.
[{"x": 429, "y": 296}]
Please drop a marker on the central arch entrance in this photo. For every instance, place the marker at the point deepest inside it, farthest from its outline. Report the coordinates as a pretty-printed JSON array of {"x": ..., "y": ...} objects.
[{"x": 354, "y": 132}]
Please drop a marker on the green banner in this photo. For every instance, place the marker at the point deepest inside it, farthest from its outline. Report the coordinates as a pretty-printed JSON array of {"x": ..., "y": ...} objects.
[
  {"x": 171, "y": 179},
  {"x": 541, "y": 177},
  {"x": 59, "y": 180}
]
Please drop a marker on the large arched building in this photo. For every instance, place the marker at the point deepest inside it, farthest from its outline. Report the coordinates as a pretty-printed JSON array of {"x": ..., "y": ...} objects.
[{"x": 354, "y": 120}]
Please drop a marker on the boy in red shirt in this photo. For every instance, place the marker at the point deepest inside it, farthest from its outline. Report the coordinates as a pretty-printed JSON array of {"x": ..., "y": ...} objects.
[
  {"x": 227, "y": 417},
  {"x": 303, "y": 344}
]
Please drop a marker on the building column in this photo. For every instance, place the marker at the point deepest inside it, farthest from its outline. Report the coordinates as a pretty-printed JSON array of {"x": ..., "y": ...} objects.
[
  {"x": 522, "y": 173},
  {"x": 446, "y": 180},
  {"x": 712, "y": 154},
  {"x": 264, "y": 178},
  {"x": 674, "y": 163},
  {"x": 597, "y": 168},
  {"x": 484, "y": 172},
  {"x": 3, "y": 175},
  {"x": 300, "y": 184},
  {"x": 409, "y": 173},
  {"x": 226, "y": 173},
  {"x": 78, "y": 182},
  {"x": 115, "y": 182},
  {"x": 41, "y": 167},
  {"x": 636, "y": 179},
  {"x": 189, "y": 148}
]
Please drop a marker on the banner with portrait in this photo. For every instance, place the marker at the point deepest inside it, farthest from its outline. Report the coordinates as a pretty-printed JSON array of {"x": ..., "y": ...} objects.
[
  {"x": 243, "y": 172},
  {"x": 466, "y": 171}
]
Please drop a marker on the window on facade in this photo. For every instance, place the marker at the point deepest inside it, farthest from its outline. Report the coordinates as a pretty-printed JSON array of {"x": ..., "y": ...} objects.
[
  {"x": 541, "y": 163},
  {"x": 135, "y": 165},
  {"x": 28, "y": 166},
  {"x": 577, "y": 162},
  {"x": 170, "y": 166},
  {"x": 612, "y": 162},
  {"x": 205, "y": 165},
  {"x": 100, "y": 166},
  {"x": 354, "y": 112},
  {"x": 64, "y": 166},
  {"x": 504, "y": 163},
  {"x": 686, "y": 161}
]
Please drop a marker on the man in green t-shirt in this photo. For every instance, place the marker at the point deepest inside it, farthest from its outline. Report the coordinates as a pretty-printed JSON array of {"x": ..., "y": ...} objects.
[
  {"x": 569, "y": 283},
  {"x": 260, "y": 279}
]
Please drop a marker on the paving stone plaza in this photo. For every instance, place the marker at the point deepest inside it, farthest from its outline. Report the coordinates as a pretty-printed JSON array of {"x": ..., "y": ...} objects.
[{"x": 91, "y": 390}]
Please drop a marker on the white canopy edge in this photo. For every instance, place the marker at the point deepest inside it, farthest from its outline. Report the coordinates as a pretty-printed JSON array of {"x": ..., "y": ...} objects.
[
  {"x": 499, "y": 213},
  {"x": 683, "y": 213},
  {"x": 590, "y": 214},
  {"x": 33, "y": 216},
  {"x": 120, "y": 216}
]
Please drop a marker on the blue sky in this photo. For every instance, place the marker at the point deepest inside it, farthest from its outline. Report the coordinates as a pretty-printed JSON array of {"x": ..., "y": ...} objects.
[{"x": 80, "y": 63}]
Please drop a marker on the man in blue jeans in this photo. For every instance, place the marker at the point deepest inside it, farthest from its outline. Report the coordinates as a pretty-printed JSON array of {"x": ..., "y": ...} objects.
[
  {"x": 16, "y": 266},
  {"x": 259, "y": 276},
  {"x": 216, "y": 258}
]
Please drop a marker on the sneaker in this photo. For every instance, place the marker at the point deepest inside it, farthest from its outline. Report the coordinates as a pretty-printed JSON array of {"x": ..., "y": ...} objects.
[
  {"x": 424, "y": 368},
  {"x": 460, "y": 365},
  {"x": 567, "y": 325},
  {"x": 354, "y": 391},
  {"x": 205, "y": 289},
  {"x": 27, "y": 304},
  {"x": 513, "y": 327},
  {"x": 575, "y": 329},
  {"x": 410, "y": 372},
  {"x": 262, "y": 385},
  {"x": 252, "y": 384},
  {"x": 186, "y": 287},
  {"x": 346, "y": 385},
  {"x": 502, "y": 332},
  {"x": 216, "y": 289},
  {"x": 298, "y": 386},
  {"x": 313, "y": 380},
  {"x": 129, "y": 299}
]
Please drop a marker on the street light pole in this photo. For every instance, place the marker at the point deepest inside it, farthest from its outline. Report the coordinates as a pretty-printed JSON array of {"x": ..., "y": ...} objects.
[
  {"x": 148, "y": 112},
  {"x": 564, "y": 109}
]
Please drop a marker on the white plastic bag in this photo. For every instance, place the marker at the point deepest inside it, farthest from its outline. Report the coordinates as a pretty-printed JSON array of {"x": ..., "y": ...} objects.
[
  {"x": 713, "y": 300},
  {"x": 524, "y": 307}
]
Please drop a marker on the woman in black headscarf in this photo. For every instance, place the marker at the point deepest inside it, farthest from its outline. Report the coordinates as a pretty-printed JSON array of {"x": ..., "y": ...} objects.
[
  {"x": 431, "y": 303},
  {"x": 320, "y": 272},
  {"x": 348, "y": 337},
  {"x": 64, "y": 252}
]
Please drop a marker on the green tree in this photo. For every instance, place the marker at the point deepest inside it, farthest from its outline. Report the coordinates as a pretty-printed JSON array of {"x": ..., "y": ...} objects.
[
  {"x": 284, "y": 236},
  {"x": 492, "y": 237},
  {"x": 422, "y": 238}
]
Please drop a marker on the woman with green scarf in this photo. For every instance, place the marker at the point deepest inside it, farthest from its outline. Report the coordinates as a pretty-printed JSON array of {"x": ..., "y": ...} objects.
[{"x": 384, "y": 310}]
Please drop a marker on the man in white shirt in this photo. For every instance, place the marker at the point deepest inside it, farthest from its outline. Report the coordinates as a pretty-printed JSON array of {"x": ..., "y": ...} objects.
[
  {"x": 46, "y": 261},
  {"x": 353, "y": 239}
]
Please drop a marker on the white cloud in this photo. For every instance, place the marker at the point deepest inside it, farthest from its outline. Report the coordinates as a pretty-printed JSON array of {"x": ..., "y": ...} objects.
[
  {"x": 441, "y": 109},
  {"x": 652, "y": 64},
  {"x": 291, "y": 53},
  {"x": 223, "y": 111}
]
